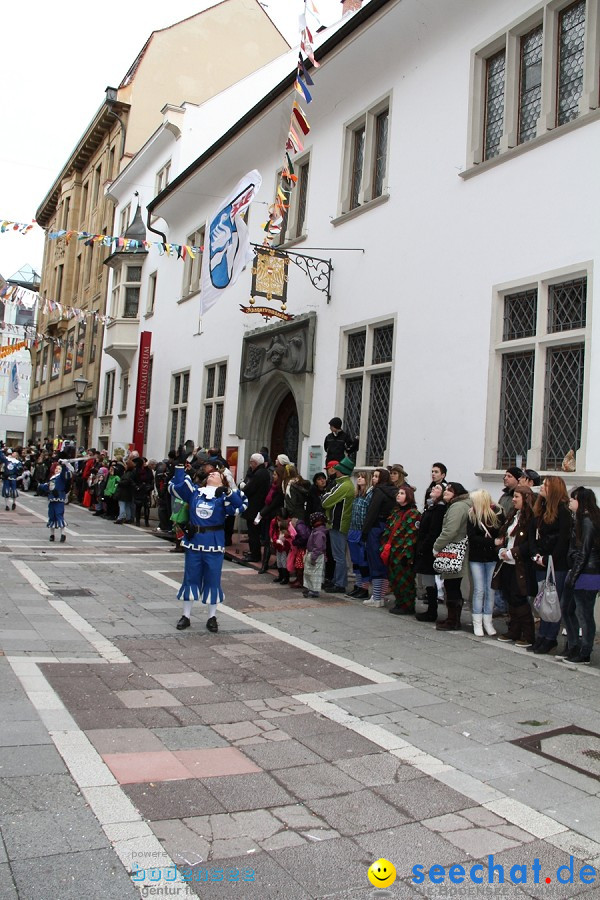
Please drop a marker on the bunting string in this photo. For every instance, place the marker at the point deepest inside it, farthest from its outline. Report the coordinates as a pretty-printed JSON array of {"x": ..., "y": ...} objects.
[
  {"x": 298, "y": 127},
  {"x": 20, "y": 227}
]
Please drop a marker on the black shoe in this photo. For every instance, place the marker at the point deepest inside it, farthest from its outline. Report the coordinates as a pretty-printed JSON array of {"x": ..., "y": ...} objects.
[
  {"x": 212, "y": 624},
  {"x": 14, "y": 506},
  {"x": 362, "y": 594},
  {"x": 545, "y": 646},
  {"x": 277, "y": 580},
  {"x": 580, "y": 660},
  {"x": 51, "y": 538},
  {"x": 285, "y": 579},
  {"x": 539, "y": 642},
  {"x": 183, "y": 623},
  {"x": 63, "y": 538},
  {"x": 354, "y": 592},
  {"x": 97, "y": 514},
  {"x": 401, "y": 611},
  {"x": 335, "y": 589},
  {"x": 427, "y": 616}
]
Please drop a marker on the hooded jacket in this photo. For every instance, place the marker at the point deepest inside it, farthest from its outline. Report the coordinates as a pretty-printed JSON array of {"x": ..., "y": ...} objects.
[
  {"x": 383, "y": 503},
  {"x": 337, "y": 503}
]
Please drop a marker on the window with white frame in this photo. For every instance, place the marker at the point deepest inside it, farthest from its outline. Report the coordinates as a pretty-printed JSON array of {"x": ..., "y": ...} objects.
[
  {"x": 215, "y": 384},
  {"x": 293, "y": 224},
  {"x": 179, "y": 399},
  {"x": 366, "y": 373},
  {"x": 536, "y": 76},
  {"x": 126, "y": 291},
  {"x": 124, "y": 217},
  {"x": 538, "y": 369},
  {"x": 124, "y": 392},
  {"x": 109, "y": 393},
  {"x": 192, "y": 267},
  {"x": 162, "y": 178},
  {"x": 366, "y": 152},
  {"x": 151, "y": 296}
]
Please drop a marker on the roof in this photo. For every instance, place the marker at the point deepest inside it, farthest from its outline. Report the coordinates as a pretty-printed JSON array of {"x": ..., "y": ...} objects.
[{"x": 345, "y": 28}]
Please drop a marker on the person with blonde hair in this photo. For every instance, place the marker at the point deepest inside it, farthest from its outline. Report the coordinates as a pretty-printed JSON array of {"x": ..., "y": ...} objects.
[
  {"x": 358, "y": 552},
  {"x": 483, "y": 527}
]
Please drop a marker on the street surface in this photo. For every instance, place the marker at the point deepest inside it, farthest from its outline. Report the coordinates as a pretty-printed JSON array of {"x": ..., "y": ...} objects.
[{"x": 280, "y": 757}]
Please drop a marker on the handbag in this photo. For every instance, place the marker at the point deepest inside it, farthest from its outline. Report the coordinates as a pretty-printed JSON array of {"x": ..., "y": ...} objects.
[
  {"x": 386, "y": 550},
  {"x": 449, "y": 561},
  {"x": 547, "y": 602},
  {"x": 496, "y": 582}
]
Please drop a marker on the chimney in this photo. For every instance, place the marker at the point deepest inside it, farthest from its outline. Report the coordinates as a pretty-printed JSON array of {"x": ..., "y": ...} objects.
[{"x": 349, "y": 6}]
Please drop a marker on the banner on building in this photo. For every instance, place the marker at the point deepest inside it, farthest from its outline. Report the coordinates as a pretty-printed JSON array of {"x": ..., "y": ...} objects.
[
  {"x": 227, "y": 241},
  {"x": 13, "y": 384},
  {"x": 142, "y": 391}
]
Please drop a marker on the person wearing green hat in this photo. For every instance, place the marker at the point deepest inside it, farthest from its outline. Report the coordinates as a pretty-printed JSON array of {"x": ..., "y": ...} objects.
[{"x": 337, "y": 504}]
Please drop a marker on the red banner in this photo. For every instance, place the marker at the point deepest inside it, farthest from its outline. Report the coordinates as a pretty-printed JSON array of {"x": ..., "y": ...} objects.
[{"x": 141, "y": 394}]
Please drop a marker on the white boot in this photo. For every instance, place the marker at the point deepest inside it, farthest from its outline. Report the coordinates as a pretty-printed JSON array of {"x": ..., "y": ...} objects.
[
  {"x": 488, "y": 625},
  {"x": 477, "y": 628}
]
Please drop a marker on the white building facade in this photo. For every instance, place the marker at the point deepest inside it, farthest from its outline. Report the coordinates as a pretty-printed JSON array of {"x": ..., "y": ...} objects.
[{"x": 449, "y": 176}]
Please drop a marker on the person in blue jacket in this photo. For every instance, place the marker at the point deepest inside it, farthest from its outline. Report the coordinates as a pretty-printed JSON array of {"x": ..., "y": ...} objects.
[
  {"x": 204, "y": 541},
  {"x": 13, "y": 469},
  {"x": 57, "y": 489}
]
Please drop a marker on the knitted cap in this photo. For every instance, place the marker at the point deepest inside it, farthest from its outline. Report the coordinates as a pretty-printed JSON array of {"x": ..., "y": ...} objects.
[{"x": 346, "y": 466}]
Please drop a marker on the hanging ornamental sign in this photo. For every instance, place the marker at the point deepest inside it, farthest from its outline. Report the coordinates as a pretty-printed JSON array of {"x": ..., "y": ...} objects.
[{"x": 269, "y": 280}]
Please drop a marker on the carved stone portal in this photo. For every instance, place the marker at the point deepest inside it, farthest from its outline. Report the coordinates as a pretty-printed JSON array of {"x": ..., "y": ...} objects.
[{"x": 276, "y": 360}]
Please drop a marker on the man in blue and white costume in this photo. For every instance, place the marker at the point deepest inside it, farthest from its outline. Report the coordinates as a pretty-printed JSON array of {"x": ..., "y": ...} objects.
[
  {"x": 12, "y": 472},
  {"x": 57, "y": 489},
  {"x": 204, "y": 541}
]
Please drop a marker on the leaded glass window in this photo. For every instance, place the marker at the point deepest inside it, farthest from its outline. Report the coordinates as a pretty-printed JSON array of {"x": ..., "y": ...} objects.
[
  {"x": 179, "y": 409},
  {"x": 570, "y": 61},
  {"x": 218, "y": 424},
  {"x": 520, "y": 313},
  {"x": 567, "y": 305},
  {"x": 358, "y": 153},
  {"x": 516, "y": 407},
  {"x": 383, "y": 339},
  {"x": 380, "y": 166},
  {"x": 132, "y": 300},
  {"x": 353, "y": 404},
  {"x": 356, "y": 350},
  {"x": 494, "y": 105},
  {"x": 530, "y": 90},
  {"x": 210, "y": 381},
  {"x": 222, "y": 380},
  {"x": 379, "y": 405},
  {"x": 206, "y": 435},
  {"x": 563, "y": 407},
  {"x": 302, "y": 193}
]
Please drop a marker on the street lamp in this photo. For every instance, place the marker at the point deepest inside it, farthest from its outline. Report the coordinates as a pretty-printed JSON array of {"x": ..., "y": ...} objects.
[{"x": 80, "y": 384}]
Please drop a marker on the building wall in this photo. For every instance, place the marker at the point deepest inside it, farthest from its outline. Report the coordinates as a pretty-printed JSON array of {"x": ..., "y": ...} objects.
[
  {"x": 212, "y": 50},
  {"x": 431, "y": 259}
]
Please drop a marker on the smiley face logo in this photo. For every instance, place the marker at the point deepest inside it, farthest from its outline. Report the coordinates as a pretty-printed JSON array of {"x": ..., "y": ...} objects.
[{"x": 381, "y": 873}]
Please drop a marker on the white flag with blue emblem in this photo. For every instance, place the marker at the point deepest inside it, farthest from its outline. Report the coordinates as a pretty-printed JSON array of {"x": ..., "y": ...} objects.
[
  {"x": 13, "y": 384},
  {"x": 227, "y": 249}
]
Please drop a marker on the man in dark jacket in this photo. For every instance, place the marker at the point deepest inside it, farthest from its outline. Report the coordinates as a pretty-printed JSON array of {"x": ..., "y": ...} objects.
[
  {"x": 256, "y": 489},
  {"x": 337, "y": 444}
]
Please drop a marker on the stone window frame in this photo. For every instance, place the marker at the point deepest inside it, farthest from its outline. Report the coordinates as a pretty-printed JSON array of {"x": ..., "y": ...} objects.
[
  {"x": 367, "y": 119},
  {"x": 540, "y": 342},
  {"x": 192, "y": 267},
  {"x": 212, "y": 402},
  {"x": 509, "y": 38},
  {"x": 365, "y": 371},
  {"x": 290, "y": 233}
]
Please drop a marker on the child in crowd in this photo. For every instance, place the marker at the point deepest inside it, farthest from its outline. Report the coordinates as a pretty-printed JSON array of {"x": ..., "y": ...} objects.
[
  {"x": 298, "y": 552},
  {"x": 110, "y": 489},
  {"x": 282, "y": 532},
  {"x": 314, "y": 560}
]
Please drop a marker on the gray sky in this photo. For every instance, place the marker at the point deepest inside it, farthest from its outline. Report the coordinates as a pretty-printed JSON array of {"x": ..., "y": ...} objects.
[{"x": 53, "y": 82}]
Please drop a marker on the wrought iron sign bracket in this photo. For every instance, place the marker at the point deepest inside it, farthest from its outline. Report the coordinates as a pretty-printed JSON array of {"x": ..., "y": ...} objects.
[{"x": 318, "y": 270}]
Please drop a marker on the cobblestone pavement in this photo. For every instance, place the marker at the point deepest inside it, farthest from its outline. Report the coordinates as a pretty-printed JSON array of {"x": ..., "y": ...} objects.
[{"x": 279, "y": 757}]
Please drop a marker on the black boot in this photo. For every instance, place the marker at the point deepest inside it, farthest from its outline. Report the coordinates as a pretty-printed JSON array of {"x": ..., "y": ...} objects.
[
  {"x": 265, "y": 561},
  {"x": 279, "y": 578},
  {"x": 285, "y": 577},
  {"x": 432, "y": 606}
]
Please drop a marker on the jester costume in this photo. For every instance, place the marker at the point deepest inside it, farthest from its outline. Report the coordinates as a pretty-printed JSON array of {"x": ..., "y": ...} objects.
[
  {"x": 12, "y": 471},
  {"x": 403, "y": 525},
  {"x": 204, "y": 542},
  {"x": 57, "y": 489}
]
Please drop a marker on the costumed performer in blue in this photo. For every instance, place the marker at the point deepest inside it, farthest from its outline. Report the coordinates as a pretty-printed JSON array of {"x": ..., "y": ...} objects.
[
  {"x": 12, "y": 472},
  {"x": 57, "y": 488},
  {"x": 204, "y": 540}
]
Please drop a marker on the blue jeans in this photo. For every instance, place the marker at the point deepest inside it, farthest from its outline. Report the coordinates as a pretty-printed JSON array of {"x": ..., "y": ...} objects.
[
  {"x": 126, "y": 510},
  {"x": 483, "y": 593},
  {"x": 578, "y": 612},
  {"x": 550, "y": 630},
  {"x": 339, "y": 542}
]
